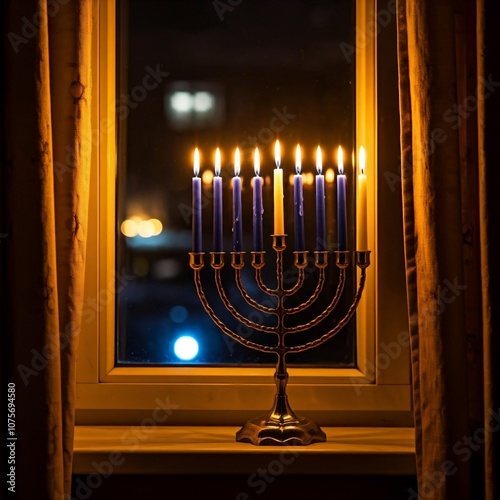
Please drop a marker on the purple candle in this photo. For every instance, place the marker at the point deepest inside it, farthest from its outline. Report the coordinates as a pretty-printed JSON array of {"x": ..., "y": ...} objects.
[
  {"x": 320, "y": 204},
  {"x": 237, "y": 212},
  {"x": 298, "y": 204},
  {"x": 217, "y": 185},
  {"x": 258, "y": 208},
  {"x": 341, "y": 204},
  {"x": 196, "y": 216}
]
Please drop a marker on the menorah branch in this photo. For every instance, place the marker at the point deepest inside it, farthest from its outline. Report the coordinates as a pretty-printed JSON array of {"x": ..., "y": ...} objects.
[
  {"x": 250, "y": 300},
  {"x": 242, "y": 319},
  {"x": 314, "y": 296},
  {"x": 264, "y": 288},
  {"x": 326, "y": 312},
  {"x": 341, "y": 324}
]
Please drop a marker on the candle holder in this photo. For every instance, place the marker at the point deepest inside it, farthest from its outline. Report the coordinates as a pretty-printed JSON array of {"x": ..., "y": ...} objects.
[{"x": 280, "y": 426}]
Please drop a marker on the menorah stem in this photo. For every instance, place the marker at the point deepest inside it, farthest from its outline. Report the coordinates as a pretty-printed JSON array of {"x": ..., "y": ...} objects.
[
  {"x": 281, "y": 406},
  {"x": 280, "y": 426}
]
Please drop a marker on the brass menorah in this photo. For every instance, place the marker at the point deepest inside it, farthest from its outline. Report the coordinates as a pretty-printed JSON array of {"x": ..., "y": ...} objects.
[{"x": 280, "y": 426}]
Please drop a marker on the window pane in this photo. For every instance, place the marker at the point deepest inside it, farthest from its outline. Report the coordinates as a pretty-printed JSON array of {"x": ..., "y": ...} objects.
[{"x": 207, "y": 74}]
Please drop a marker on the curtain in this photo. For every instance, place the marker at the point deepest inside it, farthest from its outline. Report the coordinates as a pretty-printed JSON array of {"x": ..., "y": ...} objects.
[
  {"x": 46, "y": 95},
  {"x": 447, "y": 136},
  {"x": 488, "y": 41}
]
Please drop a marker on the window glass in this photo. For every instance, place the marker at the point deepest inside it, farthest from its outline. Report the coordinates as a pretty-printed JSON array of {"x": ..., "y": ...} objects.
[{"x": 226, "y": 74}]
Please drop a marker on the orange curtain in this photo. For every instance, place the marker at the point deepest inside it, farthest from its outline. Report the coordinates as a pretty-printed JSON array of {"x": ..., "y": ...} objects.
[
  {"x": 488, "y": 74},
  {"x": 47, "y": 51},
  {"x": 446, "y": 147}
]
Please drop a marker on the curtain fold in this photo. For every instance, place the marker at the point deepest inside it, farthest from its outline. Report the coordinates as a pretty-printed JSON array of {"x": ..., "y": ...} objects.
[
  {"x": 47, "y": 153},
  {"x": 69, "y": 40},
  {"x": 488, "y": 76},
  {"x": 435, "y": 104}
]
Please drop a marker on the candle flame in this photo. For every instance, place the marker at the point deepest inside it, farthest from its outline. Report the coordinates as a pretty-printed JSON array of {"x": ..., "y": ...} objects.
[
  {"x": 298, "y": 159},
  {"x": 256, "y": 162},
  {"x": 277, "y": 154},
  {"x": 340, "y": 160},
  {"x": 362, "y": 159},
  {"x": 319, "y": 161},
  {"x": 196, "y": 166},
  {"x": 237, "y": 162},
  {"x": 217, "y": 162}
]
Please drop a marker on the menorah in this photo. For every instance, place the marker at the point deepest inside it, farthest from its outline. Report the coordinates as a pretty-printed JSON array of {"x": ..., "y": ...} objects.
[{"x": 281, "y": 426}]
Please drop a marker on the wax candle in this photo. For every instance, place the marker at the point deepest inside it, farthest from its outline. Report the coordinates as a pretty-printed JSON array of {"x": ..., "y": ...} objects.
[
  {"x": 279, "y": 223},
  {"x": 237, "y": 212},
  {"x": 362, "y": 205},
  {"x": 341, "y": 203},
  {"x": 196, "y": 215},
  {"x": 217, "y": 186},
  {"x": 331, "y": 209},
  {"x": 320, "y": 204},
  {"x": 298, "y": 204},
  {"x": 258, "y": 207}
]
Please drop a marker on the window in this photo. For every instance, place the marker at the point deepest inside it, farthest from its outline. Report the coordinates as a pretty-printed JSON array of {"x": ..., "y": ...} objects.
[
  {"x": 373, "y": 390},
  {"x": 240, "y": 81}
]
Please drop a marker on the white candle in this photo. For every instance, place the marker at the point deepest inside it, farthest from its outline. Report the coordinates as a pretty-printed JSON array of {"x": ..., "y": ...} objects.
[
  {"x": 362, "y": 204},
  {"x": 279, "y": 223}
]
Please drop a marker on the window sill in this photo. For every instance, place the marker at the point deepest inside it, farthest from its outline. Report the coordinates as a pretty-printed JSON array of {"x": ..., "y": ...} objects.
[{"x": 213, "y": 450}]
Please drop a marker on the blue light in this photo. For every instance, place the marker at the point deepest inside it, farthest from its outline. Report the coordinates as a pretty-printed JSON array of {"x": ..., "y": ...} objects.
[
  {"x": 178, "y": 314},
  {"x": 186, "y": 348}
]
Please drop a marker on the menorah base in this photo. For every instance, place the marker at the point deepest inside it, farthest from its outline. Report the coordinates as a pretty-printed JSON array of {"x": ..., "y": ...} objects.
[{"x": 286, "y": 430}]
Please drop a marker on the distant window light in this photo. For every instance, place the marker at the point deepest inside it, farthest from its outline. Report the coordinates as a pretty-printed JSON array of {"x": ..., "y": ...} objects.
[
  {"x": 129, "y": 228},
  {"x": 193, "y": 105},
  {"x": 178, "y": 314},
  {"x": 185, "y": 102},
  {"x": 165, "y": 269},
  {"x": 181, "y": 102},
  {"x": 207, "y": 177},
  {"x": 136, "y": 226},
  {"x": 203, "y": 101}
]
